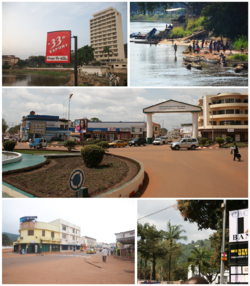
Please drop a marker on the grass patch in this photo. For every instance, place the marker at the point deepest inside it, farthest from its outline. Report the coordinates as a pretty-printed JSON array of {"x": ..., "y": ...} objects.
[
  {"x": 178, "y": 32},
  {"x": 239, "y": 144},
  {"x": 239, "y": 57},
  {"x": 241, "y": 40},
  {"x": 50, "y": 73}
]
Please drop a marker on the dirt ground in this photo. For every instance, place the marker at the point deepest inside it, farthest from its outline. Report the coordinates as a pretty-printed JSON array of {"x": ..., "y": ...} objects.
[
  {"x": 61, "y": 269},
  {"x": 202, "y": 173},
  {"x": 52, "y": 180}
]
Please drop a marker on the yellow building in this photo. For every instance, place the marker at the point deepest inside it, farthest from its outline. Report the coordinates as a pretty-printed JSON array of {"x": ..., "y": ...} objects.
[
  {"x": 37, "y": 237},
  {"x": 106, "y": 31},
  {"x": 224, "y": 114}
]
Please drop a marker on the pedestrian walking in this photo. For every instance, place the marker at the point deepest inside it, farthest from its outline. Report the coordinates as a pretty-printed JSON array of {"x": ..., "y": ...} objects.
[
  {"x": 230, "y": 48},
  {"x": 210, "y": 48},
  {"x": 236, "y": 152},
  {"x": 118, "y": 80},
  {"x": 223, "y": 48},
  {"x": 214, "y": 46},
  {"x": 175, "y": 49},
  {"x": 104, "y": 254}
]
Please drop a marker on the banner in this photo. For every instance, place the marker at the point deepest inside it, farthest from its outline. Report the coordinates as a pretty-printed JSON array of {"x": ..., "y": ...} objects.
[
  {"x": 58, "y": 47},
  {"x": 238, "y": 225}
]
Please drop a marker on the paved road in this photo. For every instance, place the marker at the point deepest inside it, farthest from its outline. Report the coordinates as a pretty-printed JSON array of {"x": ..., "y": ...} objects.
[
  {"x": 71, "y": 268},
  {"x": 203, "y": 173}
]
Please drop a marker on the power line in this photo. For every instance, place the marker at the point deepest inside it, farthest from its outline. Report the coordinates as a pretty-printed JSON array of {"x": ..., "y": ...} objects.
[{"x": 175, "y": 205}]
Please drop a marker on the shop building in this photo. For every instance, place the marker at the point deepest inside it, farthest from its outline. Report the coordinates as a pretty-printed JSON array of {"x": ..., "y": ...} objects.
[
  {"x": 106, "y": 31},
  {"x": 224, "y": 114},
  {"x": 37, "y": 237},
  {"x": 51, "y": 127},
  {"x": 125, "y": 243},
  {"x": 88, "y": 241}
]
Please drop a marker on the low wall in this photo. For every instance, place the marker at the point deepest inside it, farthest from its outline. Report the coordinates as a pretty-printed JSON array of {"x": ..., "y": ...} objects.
[
  {"x": 16, "y": 157},
  {"x": 120, "y": 70},
  {"x": 93, "y": 69}
]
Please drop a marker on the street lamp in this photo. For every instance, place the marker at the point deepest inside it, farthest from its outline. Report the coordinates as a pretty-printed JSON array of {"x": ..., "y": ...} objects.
[{"x": 69, "y": 113}]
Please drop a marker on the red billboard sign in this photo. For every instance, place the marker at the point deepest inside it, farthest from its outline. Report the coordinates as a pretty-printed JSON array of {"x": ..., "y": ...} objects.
[{"x": 58, "y": 47}]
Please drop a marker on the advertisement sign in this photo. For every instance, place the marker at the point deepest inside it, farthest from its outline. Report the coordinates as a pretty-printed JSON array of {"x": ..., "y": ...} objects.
[
  {"x": 28, "y": 218},
  {"x": 245, "y": 269},
  {"x": 237, "y": 279},
  {"x": 81, "y": 125},
  {"x": 111, "y": 128},
  {"x": 58, "y": 47},
  {"x": 238, "y": 253},
  {"x": 236, "y": 270},
  {"x": 238, "y": 225}
]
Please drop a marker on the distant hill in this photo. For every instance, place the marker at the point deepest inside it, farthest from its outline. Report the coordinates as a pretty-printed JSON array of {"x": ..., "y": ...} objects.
[
  {"x": 187, "y": 248},
  {"x": 12, "y": 237}
]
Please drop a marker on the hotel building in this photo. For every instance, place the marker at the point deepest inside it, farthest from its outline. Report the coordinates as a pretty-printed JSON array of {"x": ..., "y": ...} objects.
[
  {"x": 224, "y": 114},
  {"x": 106, "y": 31}
]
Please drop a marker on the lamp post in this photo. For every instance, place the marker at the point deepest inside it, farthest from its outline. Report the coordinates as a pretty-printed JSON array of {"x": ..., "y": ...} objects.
[{"x": 69, "y": 113}]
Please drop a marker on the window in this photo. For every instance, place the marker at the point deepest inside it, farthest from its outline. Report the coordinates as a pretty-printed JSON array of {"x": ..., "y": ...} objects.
[
  {"x": 155, "y": 128},
  {"x": 70, "y": 247},
  {"x": 43, "y": 233},
  {"x": 78, "y": 248},
  {"x": 73, "y": 238},
  {"x": 246, "y": 100},
  {"x": 76, "y": 231},
  {"x": 246, "y": 122},
  {"x": 237, "y": 100},
  {"x": 229, "y": 100},
  {"x": 229, "y": 111},
  {"x": 133, "y": 129},
  {"x": 64, "y": 247},
  {"x": 30, "y": 232},
  {"x": 73, "y": 230},
  {"x": 52, "y": 234},
  {"x": 237, "y": 111},
  {"x": 140, "y": 129},
  {"x": 246, "y": 111},
  {"x": 64, "y": 227},
  {"x": 64, "y": 236},
  {"x": 221, "y": 112}
]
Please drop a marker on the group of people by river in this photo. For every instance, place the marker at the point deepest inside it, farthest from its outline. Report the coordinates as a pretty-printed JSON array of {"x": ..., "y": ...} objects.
[{"x": 113, "y": 79}]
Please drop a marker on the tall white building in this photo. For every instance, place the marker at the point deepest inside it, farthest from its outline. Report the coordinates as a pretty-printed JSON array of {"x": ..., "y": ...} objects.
[{"x": 106, "y": 31}]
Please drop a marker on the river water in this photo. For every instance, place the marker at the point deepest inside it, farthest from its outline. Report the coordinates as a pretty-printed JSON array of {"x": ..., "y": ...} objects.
[
  {"x": 33, "y": 80},
  {"x": 156, "y": 65}
]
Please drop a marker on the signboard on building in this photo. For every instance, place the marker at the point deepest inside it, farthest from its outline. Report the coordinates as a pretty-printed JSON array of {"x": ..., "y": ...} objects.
[
  {"x": 58, "y": 47},
  {"x": 125, "y": 129},
  {"x": 28, "y": 218},
  {"x": 238, "y": 253},
  {"x": 238, "y": 225},
  {"x": 37, "y": 127},
  {"x": 81, "y": 125},
  {"x": 230, "y": 130},
  {"x": 111, "y": 129}
]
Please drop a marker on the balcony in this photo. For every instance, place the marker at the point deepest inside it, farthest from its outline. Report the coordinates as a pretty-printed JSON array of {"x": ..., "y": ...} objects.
[
  {"x": 228, "y": 116},
  {"x": 230, "y": 105}
]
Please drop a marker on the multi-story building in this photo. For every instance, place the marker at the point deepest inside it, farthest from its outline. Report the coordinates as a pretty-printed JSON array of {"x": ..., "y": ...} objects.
[
  {"x": 11, "y": 60},
  {"x": 88, "y": 241},
  {"x": 37, "y": 126},
  {"x": 106, "y": 31},
  {"x": 224, "y": 114},
  {"x": 37, "y": 237}
]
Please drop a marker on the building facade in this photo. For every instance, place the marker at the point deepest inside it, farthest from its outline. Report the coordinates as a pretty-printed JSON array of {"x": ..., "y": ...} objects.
[
  {"x": 88, "y": 241},
  {"x": 224, "y": 114},
  {"x": 37, "y": 126},
  {"x": 11, "y": 60},
  {"x": 106, "y": 31},
  {"x": 37, "y": 237},
  {"x": 125, "y": 242}
]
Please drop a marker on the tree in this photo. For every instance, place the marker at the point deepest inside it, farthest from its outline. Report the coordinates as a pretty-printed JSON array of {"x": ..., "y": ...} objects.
[
  {"x": 21, "y": 63},
  {"x": 173, "y": 234},
  {"x": 199, "y": 257},
  {"x": 141, "y": 233},
  {"x": 4, "y": 126},
  {"x": 203, "y": 141},
  {"x": 207, "y": 213},
  {"x": 227, "y": 19},
  {"x": 219, "y": 140},
  {"x": 228, "y": 139},
  {"x": 15, "y": 129},
  {"x": 95, "y": 119},
  {"x": 164, "y": 131},
  {"x": 150, "y": 7},
  {"x": 107, "y": 50},
  {"x": 85, "y": 55},
  {"x": 6, "y": 240},
  {"x": 6, "y": 66}
]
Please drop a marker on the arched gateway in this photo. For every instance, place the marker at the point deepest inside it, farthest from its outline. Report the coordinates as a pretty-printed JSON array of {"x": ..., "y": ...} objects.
[{"x": 171, "y": 106}]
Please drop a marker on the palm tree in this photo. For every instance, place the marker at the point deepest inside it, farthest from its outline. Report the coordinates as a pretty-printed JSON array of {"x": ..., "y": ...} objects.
[
  {"x": 141, "y": 232},
  {"x": 107, "y": 50},
  {"x": 173, "y": 234},
  {"x": 199, "y": 257}
]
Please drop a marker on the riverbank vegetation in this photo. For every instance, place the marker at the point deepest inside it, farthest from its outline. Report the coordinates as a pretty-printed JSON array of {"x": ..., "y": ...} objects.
[
  {"x": 239, "y": 57},
  {"x": 39, "y": 72},
  {"x": 238, "y": 42}
]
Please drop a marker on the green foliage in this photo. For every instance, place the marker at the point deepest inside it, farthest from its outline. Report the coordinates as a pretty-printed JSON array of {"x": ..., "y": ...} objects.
[
  {"x": 12, "y": 237},
  {"x": 6, "y": 66},
  {"x": 228, "y": 139},
  {"x": 192, "y": 26},
  {"x": 97, "y": 141},
  {"x": 207, "y": 213},
  {"x": 9, "y": 145},
  {"x": 6, "y": 240},
  {"x": 92, "y": 155},
  {"x": 21, "y": 63},
  {"x": 85, "y": 55},
  {"x": 97, "y": 63},
  {"x": 150, "y": 7},
  {"x": 209, "y": 142},
  {"x": 199, "y": 257},
  {"x": 203, "y": 141},
  {"x": 95, "y": 119},
  {"x": 105, "y": 145},
  {"x": 14, "y": 129},
  {"x": 69, "y": 144},
  {"x": 4, "y": 125},
  {"x": 236, "y": 45},
  {"x": 239, "y": 57},
  {"x": 177, "y": 32},
  {"x": 219, "y": 140},
  {"x": 107, "y": 50},
  {"x": 227, "y": 19}
]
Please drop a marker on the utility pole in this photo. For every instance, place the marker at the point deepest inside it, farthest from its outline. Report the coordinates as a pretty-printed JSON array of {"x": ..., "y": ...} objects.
[
  {"x": 223, "y": 207},
  {"x": 69, "y": 113}
]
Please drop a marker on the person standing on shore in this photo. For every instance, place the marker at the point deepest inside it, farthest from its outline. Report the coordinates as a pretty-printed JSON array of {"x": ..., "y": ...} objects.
[
  {"x": 190, "y": 48},
  {"x": 242, "y": 49},
  {"x": 214, "y": 46},
  {"x": 210, "y": 48},
  {"x": 175, "y": 49}
]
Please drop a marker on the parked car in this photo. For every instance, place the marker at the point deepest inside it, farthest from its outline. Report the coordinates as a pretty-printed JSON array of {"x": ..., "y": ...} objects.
[
  {"x": 164, "y": 139},
  {"x": 6, "y": 138},
  {"x": 189, "y": 143},
  {"x": 118, "y": 143},
  {"x": 138, "y": 142},
  {"x": 38, "y": 143},
  {"x": 158, "y": 141},
  {"x": 90, "y": 140}
]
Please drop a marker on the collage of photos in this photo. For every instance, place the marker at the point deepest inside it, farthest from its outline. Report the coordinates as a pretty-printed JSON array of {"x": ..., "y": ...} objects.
[{"x": 124, "y": 142}]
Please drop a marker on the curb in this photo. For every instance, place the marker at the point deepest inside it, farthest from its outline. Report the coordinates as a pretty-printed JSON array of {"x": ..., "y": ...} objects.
[
  {"x": 217, "y": 147},
  {"x": 128, "y": 189}
]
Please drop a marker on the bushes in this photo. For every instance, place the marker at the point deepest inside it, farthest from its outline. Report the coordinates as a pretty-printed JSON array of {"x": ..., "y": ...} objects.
[
  {"x": 209, "y": 142},
  {"x": 203, "y": 141},
  {"x": 92, "y": 155},
  {"x": 228, "y": 139},
  {"x": 69, "y": 144},
  {"x": 219, "y": 140},
  {"x": 241, "y": 40},
  {"x": 9, "y": 145},
  {"x": 177, "y": 33},
  {"x": 239, "y": 57},
  {"x": 103, "y": 144}
]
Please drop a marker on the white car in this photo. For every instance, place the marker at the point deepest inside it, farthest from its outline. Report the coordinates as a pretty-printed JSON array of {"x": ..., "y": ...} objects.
[{"x": 158, "y": 141}]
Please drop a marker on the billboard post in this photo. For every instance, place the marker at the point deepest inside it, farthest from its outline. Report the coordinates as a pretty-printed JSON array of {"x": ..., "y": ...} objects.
[{"x": 75, "y": 37}]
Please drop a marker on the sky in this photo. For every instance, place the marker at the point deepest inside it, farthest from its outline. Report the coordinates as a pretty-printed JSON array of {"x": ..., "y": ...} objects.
[
  {"x": 107, "y": 104},
  {"x": 98, "y": 218},
  {"x": 160, "y": 220},
  {"x": 25, "y": 24}
]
